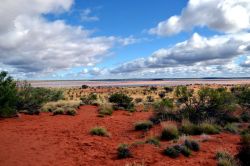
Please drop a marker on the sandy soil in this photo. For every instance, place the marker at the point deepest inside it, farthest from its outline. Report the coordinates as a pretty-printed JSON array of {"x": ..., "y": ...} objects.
[{"x": 47, "y": 140}]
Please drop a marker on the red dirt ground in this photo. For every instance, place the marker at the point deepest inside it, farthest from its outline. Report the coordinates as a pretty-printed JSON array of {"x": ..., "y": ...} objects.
[{"x": 47, "y": 140}]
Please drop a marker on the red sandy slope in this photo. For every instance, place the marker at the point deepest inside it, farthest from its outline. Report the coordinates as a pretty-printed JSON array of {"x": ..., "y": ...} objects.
[{"x": 65, "y": 140}]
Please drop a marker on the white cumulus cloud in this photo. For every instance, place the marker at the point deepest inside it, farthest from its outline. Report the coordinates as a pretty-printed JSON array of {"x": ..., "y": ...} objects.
[{"x": 228, "y": 16}]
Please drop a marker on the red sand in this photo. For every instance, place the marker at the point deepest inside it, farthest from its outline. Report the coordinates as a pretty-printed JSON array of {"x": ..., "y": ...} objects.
[{"x": 47, "y": 140}]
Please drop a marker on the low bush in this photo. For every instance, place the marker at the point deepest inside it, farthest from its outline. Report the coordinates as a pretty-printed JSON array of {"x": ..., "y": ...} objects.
[
  {"x": 232, "y": 128},
  {"x": 31, "y": 99},
  {"x": 225, "y": 159},
  {"x": 245, "y": 116},
  {"x": 192, "y": 145},
  {"x": 71, "y": 111},
  {"x": 105, "y": 109},
  {"x": 153, "y": 140},
  {"x": 143, "y": 125},
  {"x": 123, "y": 151},
  {"x": 122, "y": 101},
  {"x": 189, "y": 128},
  {"x": 170, "y": 132},
  {"x": 186, "y": 151},
  {"x": 168, "y": 89},
  {"x": 172, "y": 151},
  {"x": 244, "y": 150},
  {"x": 85, "y": 86},
  {"x": 208, "y": 128},
  {"x": 138, "y": 100},
  {"x": 88, "y": 99},
  {"x": 58, "y": 111},
  {"x": 99, "y": 131}
]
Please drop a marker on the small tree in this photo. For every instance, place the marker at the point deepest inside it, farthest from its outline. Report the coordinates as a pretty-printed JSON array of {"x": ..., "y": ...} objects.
[{"x": 8, "y": 95}]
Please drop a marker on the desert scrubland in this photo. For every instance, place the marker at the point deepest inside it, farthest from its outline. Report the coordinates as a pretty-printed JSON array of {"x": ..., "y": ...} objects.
[{"x": 198, "y": 124}]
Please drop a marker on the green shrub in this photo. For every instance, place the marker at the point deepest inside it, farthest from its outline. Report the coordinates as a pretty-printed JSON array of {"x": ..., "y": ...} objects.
[
  {"x": 168, "y": 89},
  {"x": 189, "y": 128},
  {"x": 138, "y": 100},
  {"x": 244, "y": 150},
  {"x": 123, "y": 151},
  {"x": 88, "y": 99},
  {"x": 172, "y": 151},
  {"x": 208, "y": 128},
  {"x": 143, "y": 125},
  {"x": 32, "y": 99},
  {"x": 58, "y": 111},
  {"x": 153, "y": 140},
  {"x": 121, "y": 100},
  {"x": 225, "y": 159},
  {"x": 193, "y": 145},
  {"x": 231, "y": 127},
  {"x": 242, "y": 93},
  {"x": 245, "y": 116},
  {"x": 170, "y": 132},
  {"x": 85, "y": 86},
  {"x": 105, "y": 109},
  {"x": 186, "y": 151},
  {"x": 8, "y": 96},
  {"x": 99, "y": 131},
  {"x": 71, "y": 111}
]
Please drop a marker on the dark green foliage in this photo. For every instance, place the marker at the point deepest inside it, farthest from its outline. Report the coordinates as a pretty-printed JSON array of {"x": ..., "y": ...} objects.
[
  {"x": 168, "y": 89},
  {"x": 245, "y": 116},
  {"x": 153, "y": 140},
  {"x": 85, "y": 86},
  {"x": 143, "y": 125},
  {"x": 163, "y": 110},
  {"x": 71, "y": 112},
  {"x": 208, "y": 103},
  {"x": 8, "y": 95},
  {"x": 242, "y": 93},
  {"x": 31, "y": 99},
  {"x": 121, "y": 100},
  {"x": 123, "y": 151},
  {"x": 173, "y": 151},
  {"x": 153, "y": 88},
  {"x": 138, "y": 100},
  {"x": 162, "y": 95},
  {"x": 99, "y": 131},
  {"x": 169, "y": 133},
  {"x": 88, "y": 100},
  {"x": 193, "y": 145},
  {"x": 244, "y": 151},
  {"x": 186, "y": 151}
]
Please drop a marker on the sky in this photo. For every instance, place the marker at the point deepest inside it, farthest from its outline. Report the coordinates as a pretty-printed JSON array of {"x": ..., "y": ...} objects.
[{"x": 118, "y": 39}]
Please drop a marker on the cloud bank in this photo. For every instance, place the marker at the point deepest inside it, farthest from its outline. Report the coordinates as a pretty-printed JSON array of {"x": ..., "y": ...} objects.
[{"x": 227, "y": 16}]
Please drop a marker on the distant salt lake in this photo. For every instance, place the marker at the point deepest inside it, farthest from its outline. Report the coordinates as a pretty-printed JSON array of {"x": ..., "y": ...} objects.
[{"x": 171, "y": 82}]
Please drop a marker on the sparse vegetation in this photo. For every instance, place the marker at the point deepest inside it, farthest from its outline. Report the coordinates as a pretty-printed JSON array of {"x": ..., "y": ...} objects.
[
  {"x": 193, "y": 145},
  {"x": 121, "y": 101},
  {"x": 123, "y": 151},
  {"x": 143, "y": 125},
  {"x": 153, "y": 140},
  {"x": 173, "y": 151},
  {"x": 99, "y": 131},
  {"x": 225, "y": 159},
  {"x": 105, "y": 109},
  {"x": 169, "y": 132}
]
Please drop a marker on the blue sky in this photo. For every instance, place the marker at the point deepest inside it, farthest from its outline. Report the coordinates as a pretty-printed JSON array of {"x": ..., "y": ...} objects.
[{"x": 94, "y": 39}]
